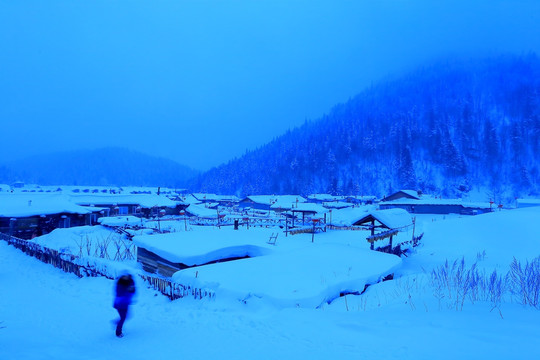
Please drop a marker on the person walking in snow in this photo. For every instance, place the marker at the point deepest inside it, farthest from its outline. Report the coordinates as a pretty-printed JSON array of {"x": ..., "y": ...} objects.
[{"x": 125, "y": 289}]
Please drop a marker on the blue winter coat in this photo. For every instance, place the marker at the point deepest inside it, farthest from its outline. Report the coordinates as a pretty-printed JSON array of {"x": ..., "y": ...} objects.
[{"x": 125, "y": 289}]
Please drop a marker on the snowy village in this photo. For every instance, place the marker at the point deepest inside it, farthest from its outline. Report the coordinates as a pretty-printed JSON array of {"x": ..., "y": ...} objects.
[{"x": 334, "y": 254}]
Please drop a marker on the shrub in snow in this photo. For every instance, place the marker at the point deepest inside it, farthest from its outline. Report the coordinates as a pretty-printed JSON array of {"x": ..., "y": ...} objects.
[
  {"x": 524, "y": 282},
  {"x": 456, "y": 282}
]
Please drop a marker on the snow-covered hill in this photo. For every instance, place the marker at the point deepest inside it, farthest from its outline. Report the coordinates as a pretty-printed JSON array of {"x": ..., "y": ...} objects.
[{"x": 450, "y": 128}]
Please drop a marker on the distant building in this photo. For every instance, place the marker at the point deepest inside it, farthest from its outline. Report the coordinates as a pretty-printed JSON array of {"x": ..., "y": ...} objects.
[
  {"x": 437, "y": 206},
  {"x": 521, "y": 203},
  {"x": 265, "y": 202},
  {"x": 403, "y": 194}
]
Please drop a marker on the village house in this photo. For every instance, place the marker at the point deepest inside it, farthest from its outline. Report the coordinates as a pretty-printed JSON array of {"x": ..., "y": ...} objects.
[
  {"x": 264, "y": 202},
  {"x": 437, "y": 206},
  {"x": 403, "y": 194},
  {"x": 141, "y": 205},
  {"x": 26, "y": 215}
]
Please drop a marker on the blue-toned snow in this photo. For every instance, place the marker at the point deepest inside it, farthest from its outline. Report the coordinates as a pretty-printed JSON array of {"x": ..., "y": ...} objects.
[{"x": 48, "y": 314}]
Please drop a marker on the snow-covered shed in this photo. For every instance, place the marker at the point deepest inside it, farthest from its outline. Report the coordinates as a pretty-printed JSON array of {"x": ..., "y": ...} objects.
[
  {"x": 165, "y": 254},
  {"x": 391, "y": 221}
]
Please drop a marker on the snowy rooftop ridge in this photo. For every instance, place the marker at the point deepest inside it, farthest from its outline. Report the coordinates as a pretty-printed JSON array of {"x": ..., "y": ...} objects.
[
  {"x": 202, "y": 212},
  {"x": 35, "y": 204},
  {"x": 191, "y": 248},
  {"x": 393, "y": 218},
  {"x": 271, "y": 199}
]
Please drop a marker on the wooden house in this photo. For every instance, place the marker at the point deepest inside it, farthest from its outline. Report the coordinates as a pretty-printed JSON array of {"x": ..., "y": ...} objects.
[
  {"x": 30, "y": 215},
  {"x": 141, "y": 205}
]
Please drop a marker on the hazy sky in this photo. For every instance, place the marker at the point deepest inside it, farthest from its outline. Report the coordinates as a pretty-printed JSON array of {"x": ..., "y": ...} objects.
[{"x": 202, "y": 81}]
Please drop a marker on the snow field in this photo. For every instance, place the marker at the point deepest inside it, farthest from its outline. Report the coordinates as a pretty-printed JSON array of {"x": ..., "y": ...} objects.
[{"x": 48, "y": 314}]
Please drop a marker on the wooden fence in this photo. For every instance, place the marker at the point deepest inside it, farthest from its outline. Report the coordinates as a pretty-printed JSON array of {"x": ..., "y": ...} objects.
[
  {"x": 82, "y": 268},
  {"x": 66, "y": 262}
]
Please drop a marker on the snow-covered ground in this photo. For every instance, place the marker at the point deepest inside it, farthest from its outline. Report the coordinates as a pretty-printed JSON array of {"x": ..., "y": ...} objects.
[{"x": 48, "y": 314}]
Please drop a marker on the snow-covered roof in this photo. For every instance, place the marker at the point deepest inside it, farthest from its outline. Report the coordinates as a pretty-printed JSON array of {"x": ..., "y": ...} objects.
[
  {"x": 32, "y": 204},
  {"x": 348, "y": 216},
  {"x": 411, "y": 193},
  {"x": 214, "y": 197},
  {"x": 190, "y": 248},
  {"x": 5, "y": 187},
  {"x": 362, "y": 198},
  {"x": 115, "y": 221},
  {"x": 272, "y": 199},
  {"x": 309, "y": 276},
  {"x": 304, "y": 207},
  {"x": 144, "y": 200},
  {"x": 392, "y": 218},
  {"x": 187, "y": 199},
  {"x": 325, "y": 197},
  {"x": 337, "y": 205},
  {"x": 202, "y": 212},
  {"x": 204, "y": 196}
]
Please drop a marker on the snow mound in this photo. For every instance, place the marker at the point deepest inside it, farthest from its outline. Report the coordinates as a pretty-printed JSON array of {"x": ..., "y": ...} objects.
[{"x": 307, "y": 277}]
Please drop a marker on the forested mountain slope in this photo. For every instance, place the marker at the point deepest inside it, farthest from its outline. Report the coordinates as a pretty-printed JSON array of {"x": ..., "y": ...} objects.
[{"x": 445, "y": 129}]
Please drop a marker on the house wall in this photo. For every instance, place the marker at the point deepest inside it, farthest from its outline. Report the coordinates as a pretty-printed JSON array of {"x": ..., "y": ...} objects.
[{"x": 32, "y": 226}]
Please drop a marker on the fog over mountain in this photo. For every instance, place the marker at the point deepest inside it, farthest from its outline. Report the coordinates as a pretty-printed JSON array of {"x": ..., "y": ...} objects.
[
  {"x": 106, "y": 166},
  {"x": 449, "y": 128}
]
